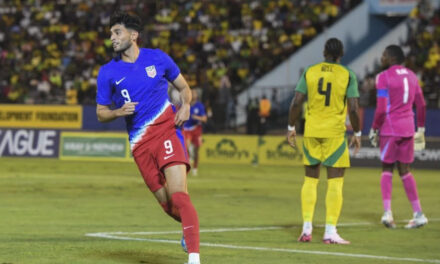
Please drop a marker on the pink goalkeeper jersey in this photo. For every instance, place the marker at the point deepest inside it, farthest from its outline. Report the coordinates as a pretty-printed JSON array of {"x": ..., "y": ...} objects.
[{"x": 397, "y": 91}]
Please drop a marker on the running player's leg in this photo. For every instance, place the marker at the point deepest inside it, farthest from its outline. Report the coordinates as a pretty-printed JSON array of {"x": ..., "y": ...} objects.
[
  {"x": 311, "y": 159},
  {"x": 155, "y": 181},
  {"x": 410, "y": 186},
  {"x": 388, "y": 155},
  {"x": 188, "y": 142},
  {"x": 405, "y": 156},
  {"x": 196, "y": 160},
  {"x": 337, "y": 158},
  {"x": 165, "y": 201},
  {"x": 177, "y": 188},
  {"x": 308, "y": 200},
  {"x": 333, "y": 204},
  {"x": 386, "y": 187},
  {"x": 197, "y": 142},
  {"x": 172, "y": 159}
]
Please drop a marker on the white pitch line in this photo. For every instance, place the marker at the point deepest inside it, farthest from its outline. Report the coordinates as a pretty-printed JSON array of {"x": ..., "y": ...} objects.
[
  {"x": 244, "y": 229},
  {"x": 217, "y": 230},
  {"x": 312, "y": 252},
  {"x": 117, "y": 235}
]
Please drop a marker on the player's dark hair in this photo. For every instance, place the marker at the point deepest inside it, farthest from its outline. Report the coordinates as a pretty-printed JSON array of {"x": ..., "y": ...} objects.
[
  {"x": 333, "y": 49},
  {"x": 396, "y": 52},
  {"x": 131, "y": 21}
]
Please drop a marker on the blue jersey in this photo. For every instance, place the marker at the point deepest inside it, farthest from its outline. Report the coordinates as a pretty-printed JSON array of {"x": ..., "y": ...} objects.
[
  {"x": 197, "y": 109},
  {"x": 145, "y": 81}
]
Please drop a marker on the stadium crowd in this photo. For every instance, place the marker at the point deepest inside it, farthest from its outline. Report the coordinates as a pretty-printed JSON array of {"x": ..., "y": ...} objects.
[
  {"x": 422, "y": 51},
  {"x": 51, "y": 51}
]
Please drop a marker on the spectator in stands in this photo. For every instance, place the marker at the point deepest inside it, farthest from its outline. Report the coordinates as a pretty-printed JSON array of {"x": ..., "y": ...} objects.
[
  {"x": 422, "y": 53},
  {"x": 250, "y": 37}
]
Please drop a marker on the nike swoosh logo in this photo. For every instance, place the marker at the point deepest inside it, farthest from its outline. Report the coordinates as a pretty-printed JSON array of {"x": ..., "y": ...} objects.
[
  {"x": 186, "y": 227},
  {"x": 167, "y": 157},
  {"x": 118, "y": 82}
]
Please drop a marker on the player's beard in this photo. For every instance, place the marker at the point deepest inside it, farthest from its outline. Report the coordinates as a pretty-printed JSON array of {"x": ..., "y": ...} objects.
[{"x": 123, "y": 47}]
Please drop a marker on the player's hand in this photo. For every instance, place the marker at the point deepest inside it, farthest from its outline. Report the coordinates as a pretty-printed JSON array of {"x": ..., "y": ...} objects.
[
  {"x": 291, "y": 137},
  {"x": 127, "y": 109},
  {"x": 373, "y": 137},
  {"x": 419, "y": 139},
  {"x": 182, "y": 115},
  {"x": 356, "y": 141}
]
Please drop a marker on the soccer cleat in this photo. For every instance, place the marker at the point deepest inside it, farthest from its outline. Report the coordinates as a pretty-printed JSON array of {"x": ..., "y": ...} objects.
[
  {"x": 183, "y": 244},
  {"x": 334, "y": 239},
  {"x": 418, "y": 220},
  {"x": 387, "y": 219},
  {"x": 305, "y": 237}
]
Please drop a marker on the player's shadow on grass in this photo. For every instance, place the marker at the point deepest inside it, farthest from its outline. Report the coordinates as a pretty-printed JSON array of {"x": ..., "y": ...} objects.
[{"x": 142, "y": 257}]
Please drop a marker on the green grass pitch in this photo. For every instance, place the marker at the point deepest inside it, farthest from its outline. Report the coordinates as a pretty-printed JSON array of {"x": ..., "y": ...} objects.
[{"x": 48, "y": 206}]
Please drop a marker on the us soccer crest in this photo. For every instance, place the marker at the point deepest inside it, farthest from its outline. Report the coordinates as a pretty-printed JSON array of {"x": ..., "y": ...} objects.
[{"x": 151, "y": 71}]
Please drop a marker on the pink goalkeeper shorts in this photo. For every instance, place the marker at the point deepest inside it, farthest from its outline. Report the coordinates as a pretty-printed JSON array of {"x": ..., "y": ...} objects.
[{"x": 393, "y": 149}]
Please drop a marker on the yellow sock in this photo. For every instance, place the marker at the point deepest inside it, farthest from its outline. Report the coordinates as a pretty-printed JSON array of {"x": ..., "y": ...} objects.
[
  {"x": 333, "y": 200},
  {"x": 308, "y": 198}
]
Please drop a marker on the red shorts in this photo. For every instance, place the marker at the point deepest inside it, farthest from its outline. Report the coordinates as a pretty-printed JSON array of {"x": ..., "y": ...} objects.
[
  {"x": 194, "y": 136},
  {"x": 152, "y": 158},
  {"x": 394, "y": 149}
]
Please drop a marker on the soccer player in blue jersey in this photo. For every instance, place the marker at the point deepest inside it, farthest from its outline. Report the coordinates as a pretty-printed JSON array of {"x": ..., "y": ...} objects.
[
  {"x": 136, "y": 83},
  {"x": 192, "y": 129}
]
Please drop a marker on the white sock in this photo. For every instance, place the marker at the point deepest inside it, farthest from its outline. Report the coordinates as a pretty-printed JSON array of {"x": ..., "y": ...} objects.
[
  {"x": 193, "y": 258},
  {"x": 330, "y": 229},
  {"x": 307, "y": 227}
]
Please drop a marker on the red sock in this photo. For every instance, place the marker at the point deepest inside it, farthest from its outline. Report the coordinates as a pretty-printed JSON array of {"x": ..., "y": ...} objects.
[
  {"x": 190, "y": 221},
  {"x": 171, "y": 210}
]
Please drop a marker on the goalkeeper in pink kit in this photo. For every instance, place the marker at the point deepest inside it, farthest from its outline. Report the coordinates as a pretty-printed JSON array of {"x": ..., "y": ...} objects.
[{"x": 397, "y": 91}]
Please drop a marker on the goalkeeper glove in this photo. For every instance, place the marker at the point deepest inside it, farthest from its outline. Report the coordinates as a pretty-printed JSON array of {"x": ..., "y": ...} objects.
[
  {"x": 419, "y": 139},
  {"x": 373, "y": 136}
]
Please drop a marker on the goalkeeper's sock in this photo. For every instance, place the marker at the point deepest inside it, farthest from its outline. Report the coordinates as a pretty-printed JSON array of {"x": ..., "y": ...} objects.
[
  {"x": 409, "y": 183},
  {"x": 171, "y": 210},
  {"x": 333, "y": 200},
  {"x": 190, "y": 221},
  {"x": 308, "y": 198},
  {"x": 386, "y": 186}
]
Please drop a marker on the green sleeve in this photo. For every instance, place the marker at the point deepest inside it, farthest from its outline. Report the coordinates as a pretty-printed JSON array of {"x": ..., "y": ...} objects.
[
  {"x": 301, "y": 86},
  {"x": 352, "y": 90}
]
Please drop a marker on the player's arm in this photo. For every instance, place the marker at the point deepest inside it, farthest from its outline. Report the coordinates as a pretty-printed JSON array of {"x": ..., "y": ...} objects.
[
  {"x": 353, "y": 111},
  {"x": 419, "y": 101},
  {"x": 381, "y": 106},
  {"x": 294, "y": 114},
  {"x": 379, "y": 115},
  {"x": 185, "y": 96},
  {"x": 104, "y": 100},
  {"x": 202, "y": 114},
  {"x": 105, "y": 114},
  {"x": 296, "y": 107},
  {"x": 419, "y": 137},
  {"x": 381, "y": 102},
  {"x": 353, "y": 115},
  {"x": 201, "y": 118}
]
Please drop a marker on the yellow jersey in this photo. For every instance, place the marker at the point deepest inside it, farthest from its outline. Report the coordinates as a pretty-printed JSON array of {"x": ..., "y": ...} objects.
[{"x": 327, "y": 86}]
